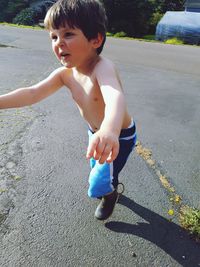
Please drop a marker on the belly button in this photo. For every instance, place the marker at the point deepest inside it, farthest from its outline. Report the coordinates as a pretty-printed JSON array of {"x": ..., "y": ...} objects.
[{"x": 95, "y": 99}]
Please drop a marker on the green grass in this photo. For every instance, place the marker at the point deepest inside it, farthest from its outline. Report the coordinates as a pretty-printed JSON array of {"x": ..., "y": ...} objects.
[
  {"x": 146, "y": 38},
  {"x": 149, "y": 37},
  {"x": 174, "y": 41},
  {"x": 122, "y": 35},
  {"x": 36, "y": 27},
  {"x": 190, "y": 220}
]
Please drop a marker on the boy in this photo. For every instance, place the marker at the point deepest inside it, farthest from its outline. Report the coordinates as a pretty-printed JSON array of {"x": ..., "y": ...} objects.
[{"x": 77, "y": 29}]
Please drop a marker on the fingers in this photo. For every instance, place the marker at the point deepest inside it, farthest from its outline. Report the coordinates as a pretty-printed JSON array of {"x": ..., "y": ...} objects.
[
  {"x": 102, "y": 150},
  {"x": 96, "y": 148},
  {"x": 109, "y": 154},
  {"x": 112, "y": 156},
  {"x": 99, "y": 150},
  {"x": 105, "y": 153},
  {"x": 91, "y": 150}
]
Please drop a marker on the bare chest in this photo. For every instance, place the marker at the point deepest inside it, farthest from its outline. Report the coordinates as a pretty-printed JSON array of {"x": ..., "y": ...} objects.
[{"x": 86, "y": 93}]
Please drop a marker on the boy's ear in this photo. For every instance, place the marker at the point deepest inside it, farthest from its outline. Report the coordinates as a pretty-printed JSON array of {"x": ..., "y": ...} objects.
[{"x": 97, "y": 42}]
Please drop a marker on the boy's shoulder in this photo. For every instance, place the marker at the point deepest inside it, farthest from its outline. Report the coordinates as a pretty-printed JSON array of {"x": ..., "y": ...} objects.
[
  {"x": 105, "y": 62},
  {"x": 63, "y": 74},
  {"x": 63, "y": 71},
  {"x": 105, "y": 66}
]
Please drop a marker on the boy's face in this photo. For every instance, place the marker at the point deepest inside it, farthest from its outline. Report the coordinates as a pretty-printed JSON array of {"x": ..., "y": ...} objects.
[{"x": 71, "y": 47}]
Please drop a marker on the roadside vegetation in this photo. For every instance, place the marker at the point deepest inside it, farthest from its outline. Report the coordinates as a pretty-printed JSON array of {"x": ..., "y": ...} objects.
[
  {"x": 174, "y": 41},
  {"x": 190, "y": 220},
  {"x": 36, "y": 27},
  {"x": 146, "y": 38},
  {"x": 188, "y": 217},
  {"x": 126, "y": 18}
]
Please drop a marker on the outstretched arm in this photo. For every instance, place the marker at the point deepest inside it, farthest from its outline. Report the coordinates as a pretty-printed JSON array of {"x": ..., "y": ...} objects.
[
  {"x": 104, "y": 145},
  {"x": 29, "y": 95}
]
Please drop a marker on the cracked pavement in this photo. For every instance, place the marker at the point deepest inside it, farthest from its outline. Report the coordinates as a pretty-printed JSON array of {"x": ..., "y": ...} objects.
[{"x": 46, "y": 217}]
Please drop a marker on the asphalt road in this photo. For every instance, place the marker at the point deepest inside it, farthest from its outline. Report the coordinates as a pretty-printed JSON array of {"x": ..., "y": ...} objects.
[{"x": 45, "y": 214}]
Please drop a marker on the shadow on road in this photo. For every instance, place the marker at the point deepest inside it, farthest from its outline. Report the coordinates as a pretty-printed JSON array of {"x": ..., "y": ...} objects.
[
  {"x": 167, "y": 235},
  {"x": 4, "y": 46}
]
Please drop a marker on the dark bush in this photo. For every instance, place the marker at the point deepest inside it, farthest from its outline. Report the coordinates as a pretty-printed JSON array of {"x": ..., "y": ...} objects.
[{"x": 25, "y": 17}]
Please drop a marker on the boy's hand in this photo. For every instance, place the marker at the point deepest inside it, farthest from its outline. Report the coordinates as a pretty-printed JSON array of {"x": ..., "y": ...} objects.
[{"x": 103, "y": 146}]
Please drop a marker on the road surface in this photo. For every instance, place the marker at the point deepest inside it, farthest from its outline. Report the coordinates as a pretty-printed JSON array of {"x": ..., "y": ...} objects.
[{"x": 46, "y": 216}]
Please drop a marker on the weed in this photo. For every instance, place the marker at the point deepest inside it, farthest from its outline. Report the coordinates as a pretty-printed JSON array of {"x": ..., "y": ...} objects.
[
  {"x": 190, "y": 220},
  {"x": 174, "y": 41}
]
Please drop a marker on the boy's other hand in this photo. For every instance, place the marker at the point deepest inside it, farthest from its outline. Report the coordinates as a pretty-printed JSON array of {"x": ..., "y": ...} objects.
[{"x": 103, "y": 146}]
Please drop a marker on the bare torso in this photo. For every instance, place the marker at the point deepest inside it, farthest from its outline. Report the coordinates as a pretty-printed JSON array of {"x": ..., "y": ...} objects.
[{"x": 87, "y": 95}]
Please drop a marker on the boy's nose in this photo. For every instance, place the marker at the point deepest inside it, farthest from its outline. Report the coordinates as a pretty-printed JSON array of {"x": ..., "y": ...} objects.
[{"x": 60, "y": 42}]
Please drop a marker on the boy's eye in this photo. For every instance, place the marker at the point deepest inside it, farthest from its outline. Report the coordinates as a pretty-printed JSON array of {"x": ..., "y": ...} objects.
[
  {"x": 54, "y": 37},
  {"x": 68, "y": 34}
]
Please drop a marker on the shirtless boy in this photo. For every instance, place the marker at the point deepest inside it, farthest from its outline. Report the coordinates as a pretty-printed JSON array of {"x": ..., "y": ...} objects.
[{"x": 77, "y": 29}]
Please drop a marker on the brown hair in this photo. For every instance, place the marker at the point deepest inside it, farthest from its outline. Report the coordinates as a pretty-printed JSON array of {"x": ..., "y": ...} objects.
[{"x": 87, "y": 15}]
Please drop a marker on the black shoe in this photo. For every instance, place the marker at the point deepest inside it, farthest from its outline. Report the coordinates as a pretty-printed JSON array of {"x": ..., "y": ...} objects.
[{"x": 106, "y": 206}]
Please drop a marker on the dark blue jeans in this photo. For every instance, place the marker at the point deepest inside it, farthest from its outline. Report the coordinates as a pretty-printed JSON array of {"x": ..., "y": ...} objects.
[{"x": 103, "y": 178}]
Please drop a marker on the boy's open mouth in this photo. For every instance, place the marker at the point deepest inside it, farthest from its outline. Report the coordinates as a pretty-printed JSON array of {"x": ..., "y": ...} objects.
[{"x": 63, "y": 55}]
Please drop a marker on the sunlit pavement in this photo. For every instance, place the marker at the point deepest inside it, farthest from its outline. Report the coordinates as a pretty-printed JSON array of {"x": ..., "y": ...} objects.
[{"x": 46, "y": 216}]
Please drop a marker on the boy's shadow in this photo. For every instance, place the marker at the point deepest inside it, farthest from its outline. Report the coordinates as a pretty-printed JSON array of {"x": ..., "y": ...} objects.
[{"x": 165, "y": 234}]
